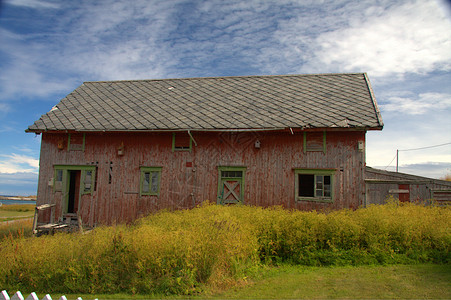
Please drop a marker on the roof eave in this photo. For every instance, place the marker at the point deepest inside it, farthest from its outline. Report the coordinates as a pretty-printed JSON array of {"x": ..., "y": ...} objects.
[
  {"x": 296, "y": 128},
  {"x": 373, "y": 99}
]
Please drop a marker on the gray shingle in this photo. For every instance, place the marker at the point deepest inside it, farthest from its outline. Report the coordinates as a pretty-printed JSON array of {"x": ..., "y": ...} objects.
[{"x": 245, "y": 102}]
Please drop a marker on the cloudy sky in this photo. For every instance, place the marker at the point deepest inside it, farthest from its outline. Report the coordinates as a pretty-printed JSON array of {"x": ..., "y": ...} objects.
[{"x": 48, "y": 48}]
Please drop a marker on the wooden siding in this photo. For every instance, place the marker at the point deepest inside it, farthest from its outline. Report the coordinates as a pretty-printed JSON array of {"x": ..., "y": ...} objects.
[
  {"x": 442, "y": 197},
  {"x": 189, "y": 178}
]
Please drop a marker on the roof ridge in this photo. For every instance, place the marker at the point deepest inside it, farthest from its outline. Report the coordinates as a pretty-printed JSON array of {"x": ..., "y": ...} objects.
[{"x": 227, "y": 77}]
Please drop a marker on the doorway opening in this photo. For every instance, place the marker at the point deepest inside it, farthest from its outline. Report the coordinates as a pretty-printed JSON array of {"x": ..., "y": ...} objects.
[{"x": 74, "y": 191}]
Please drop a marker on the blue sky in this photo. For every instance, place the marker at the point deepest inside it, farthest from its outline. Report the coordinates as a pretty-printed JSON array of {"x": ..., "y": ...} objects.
[{"x": 48, "y": 48}]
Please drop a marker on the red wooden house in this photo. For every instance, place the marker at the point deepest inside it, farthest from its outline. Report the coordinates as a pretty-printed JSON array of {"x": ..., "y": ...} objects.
[{"x": 113, "y": 151}]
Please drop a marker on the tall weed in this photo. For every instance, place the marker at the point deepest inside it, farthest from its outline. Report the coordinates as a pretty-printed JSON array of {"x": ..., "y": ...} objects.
[
  {"x": 183, "y": 252},
  {"x": 16, "y": 228}
]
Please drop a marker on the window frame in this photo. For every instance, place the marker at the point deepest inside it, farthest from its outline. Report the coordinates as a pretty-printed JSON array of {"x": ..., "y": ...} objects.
[
  {"x": 242, "y": 180},
  {"x": 64, "y": 169},
  {"x": 181, "y": 149},
  {"x": 150, "y": 170},
  {"x": 315, "y": 173},
  {"x": 76, "y": 148},
  {"x": 305, "y": 140}
]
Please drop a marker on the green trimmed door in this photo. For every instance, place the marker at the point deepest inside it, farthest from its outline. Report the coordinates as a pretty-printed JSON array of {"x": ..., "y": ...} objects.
[{"x": 231, "y": 185}]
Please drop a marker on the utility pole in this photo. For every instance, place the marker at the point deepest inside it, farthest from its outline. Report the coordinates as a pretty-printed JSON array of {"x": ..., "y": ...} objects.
[{"x": 397, "y": 154}]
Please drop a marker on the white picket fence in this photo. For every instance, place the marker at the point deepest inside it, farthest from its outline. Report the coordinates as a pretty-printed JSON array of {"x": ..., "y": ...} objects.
[{"x": 18, "y": 296}]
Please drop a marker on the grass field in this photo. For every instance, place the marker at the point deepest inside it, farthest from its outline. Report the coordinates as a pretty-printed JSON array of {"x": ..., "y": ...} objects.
[
  {"x": 15, "y": 212},
  {"x": 16, "y": 220},
  {"x": 426, "y": 281},
  {"x": 364, "y": 282}
]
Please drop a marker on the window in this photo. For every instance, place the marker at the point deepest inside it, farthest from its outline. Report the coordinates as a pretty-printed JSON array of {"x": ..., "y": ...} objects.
[
  {"x": 76, "y": 142},
  {"x": 87, "y": 181},
  {"x": 58, "y": 184},
  {"x": 181, "y": 141},
  {"x": 231, "y": 185},
  {"x": 150, "y": 181},
  {"x": 314, "y": 185},
  {"x": 315, "y": 141}
]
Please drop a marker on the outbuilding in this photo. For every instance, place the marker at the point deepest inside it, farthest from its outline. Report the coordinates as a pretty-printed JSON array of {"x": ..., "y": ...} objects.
[{"x": 382, "y": 185}]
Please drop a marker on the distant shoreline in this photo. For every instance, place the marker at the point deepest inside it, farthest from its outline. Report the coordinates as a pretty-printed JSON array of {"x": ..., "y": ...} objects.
[{"x": 19, "y": 198}]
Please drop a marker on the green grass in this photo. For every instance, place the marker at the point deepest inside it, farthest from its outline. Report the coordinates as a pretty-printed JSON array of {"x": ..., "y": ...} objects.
[
  {"x": 18, "y": 207},
  {"x": 364, "y": 282},
  {"x": 425, "y": 281},
  {"x": 15, "y": 212}
]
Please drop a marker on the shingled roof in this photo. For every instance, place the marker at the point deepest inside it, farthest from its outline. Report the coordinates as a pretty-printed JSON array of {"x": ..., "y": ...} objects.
[{"x": 217, "y": 103}]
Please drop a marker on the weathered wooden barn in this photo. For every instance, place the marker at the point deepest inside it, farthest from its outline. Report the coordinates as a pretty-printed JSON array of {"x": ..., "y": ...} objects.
[
  {"x": 382, "y": 184},
  {"x": 113, "y": 151}
]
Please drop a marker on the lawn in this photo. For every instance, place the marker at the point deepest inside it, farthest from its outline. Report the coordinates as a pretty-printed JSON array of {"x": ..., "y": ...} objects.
[
  {"x": 364, "y": 282},
  {"x": 425, "y": 281}
]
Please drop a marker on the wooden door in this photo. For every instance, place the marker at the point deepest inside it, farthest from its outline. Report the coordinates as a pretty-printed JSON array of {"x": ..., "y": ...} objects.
[{"x": 404, "y": 193}]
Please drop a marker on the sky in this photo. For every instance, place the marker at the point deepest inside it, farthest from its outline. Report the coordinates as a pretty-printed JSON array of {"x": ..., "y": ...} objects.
[{"x": 48, "y": 48}]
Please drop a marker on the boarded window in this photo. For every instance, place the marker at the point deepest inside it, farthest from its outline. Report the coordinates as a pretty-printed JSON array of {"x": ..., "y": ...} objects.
[
  {"x": 150, "y": 181},
  {"x": 315, "y": 141},
  {"x": 76, "y": 142},
  {"x": 314, "y": 185},
  {"x": 181, "y": 141}
]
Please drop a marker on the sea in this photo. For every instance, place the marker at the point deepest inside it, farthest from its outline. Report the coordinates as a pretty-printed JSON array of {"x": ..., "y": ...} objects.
[{"x": 14, "y": 201}]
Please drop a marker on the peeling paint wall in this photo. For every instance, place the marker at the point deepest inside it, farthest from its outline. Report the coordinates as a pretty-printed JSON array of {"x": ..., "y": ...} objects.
[{"x": 189, "y": 178}]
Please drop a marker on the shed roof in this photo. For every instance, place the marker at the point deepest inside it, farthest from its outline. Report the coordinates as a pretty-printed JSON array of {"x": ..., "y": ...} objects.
[{"x": 217, "y": 103}]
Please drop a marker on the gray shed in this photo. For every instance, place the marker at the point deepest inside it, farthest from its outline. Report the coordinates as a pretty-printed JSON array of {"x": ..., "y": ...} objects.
[{"x": 381, "y": 184}]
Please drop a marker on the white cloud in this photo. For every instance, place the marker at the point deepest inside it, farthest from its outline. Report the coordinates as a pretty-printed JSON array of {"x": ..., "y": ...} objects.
[
  {"x": 21, "y": 183},
  {"x": 410, "y": 131},
  {"x": 414, "y": 37},
  {"x": 16, "y": 163},
  {"x": 4, "y": 108},
  {"x": 25, "y": 69},
  {"x": 111, "y": 40},
  {"x": 381, "y": 38},
  {"x": 23, "y": 149},
  {"x": 6, "y": 128},
  {"x": 421, "y": 105},
  {"x": 33, "y": 3}
]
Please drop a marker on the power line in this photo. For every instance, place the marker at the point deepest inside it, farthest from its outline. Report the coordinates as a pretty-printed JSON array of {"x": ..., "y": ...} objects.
[
  {"x": 391, "y": 161},
  {"x": 426, "y": 147}
]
